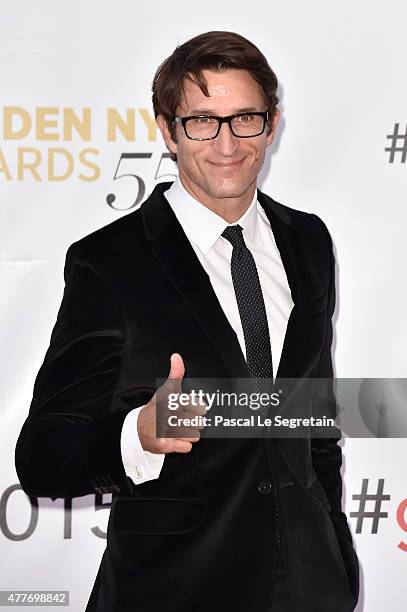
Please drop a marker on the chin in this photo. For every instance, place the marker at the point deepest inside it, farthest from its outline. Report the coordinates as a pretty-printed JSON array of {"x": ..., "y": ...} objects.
[{"x": 232, "y": 189}]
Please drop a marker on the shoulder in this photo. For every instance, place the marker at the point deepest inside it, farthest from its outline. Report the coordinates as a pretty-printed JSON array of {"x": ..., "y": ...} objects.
[
  {"x": 104, "y": 247},
  {"x": 107, "y": 249},
  {"x": 123, "y": 237},
  {"x": 110, "y": 236},
  {"x": 307, "y": 224}
]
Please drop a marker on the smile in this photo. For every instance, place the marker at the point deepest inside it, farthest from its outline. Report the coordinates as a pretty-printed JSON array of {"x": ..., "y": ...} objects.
[{"x": 227, "y": 164}]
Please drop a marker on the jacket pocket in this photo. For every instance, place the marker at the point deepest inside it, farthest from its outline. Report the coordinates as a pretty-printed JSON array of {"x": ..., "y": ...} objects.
[
  {"x": 159, "y": 516},
  {"x": 349, "y": 556}
]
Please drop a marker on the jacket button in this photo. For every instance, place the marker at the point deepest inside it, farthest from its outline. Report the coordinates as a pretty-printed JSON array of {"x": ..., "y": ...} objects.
[{"x": 264, "y": 487}]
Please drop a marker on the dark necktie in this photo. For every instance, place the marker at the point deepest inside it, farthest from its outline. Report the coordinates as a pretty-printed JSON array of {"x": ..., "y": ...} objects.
[{"x": 252, "y": 311}]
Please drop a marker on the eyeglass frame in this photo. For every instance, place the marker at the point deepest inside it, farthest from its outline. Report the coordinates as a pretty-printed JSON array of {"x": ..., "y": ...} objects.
[{"x": 226, "y": 119}]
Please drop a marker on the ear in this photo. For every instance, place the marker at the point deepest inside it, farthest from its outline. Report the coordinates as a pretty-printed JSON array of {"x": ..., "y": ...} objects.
[
  {"x": 163, "y": 127},
  {"x": 274, "y": 123}
]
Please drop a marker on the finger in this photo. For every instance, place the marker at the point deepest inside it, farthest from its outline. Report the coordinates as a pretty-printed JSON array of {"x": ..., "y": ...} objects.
[
  {"x": 180, "y": 433},
  {"x": 181, "y": 446},
  {"x": 196, "y": 410},
  {"x": 188, "y": 421},
  {"x": 176, "y": 373},
  {"x": 177, "y": 369}
]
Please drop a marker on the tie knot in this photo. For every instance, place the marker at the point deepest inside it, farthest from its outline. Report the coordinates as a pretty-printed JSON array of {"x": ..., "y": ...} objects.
[{"x": 234, "y": 234}]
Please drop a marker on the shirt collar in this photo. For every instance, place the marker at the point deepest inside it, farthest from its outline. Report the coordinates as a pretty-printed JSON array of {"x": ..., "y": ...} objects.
[{"x": 201, "y": 224}]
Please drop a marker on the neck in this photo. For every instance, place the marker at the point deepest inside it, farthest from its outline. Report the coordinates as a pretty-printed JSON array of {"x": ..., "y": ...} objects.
[{"x": 229, "y": 208}]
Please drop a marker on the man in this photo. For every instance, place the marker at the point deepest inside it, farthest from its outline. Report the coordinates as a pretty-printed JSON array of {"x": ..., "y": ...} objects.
[{"x": 210, "y": 278}]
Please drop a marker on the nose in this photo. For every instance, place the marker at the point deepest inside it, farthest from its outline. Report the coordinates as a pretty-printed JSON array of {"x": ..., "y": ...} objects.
[{"x": 225, "y": 142}]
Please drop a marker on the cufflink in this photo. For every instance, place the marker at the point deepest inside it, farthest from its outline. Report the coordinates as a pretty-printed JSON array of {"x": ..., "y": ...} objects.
[{"x": 139, "y": 472}]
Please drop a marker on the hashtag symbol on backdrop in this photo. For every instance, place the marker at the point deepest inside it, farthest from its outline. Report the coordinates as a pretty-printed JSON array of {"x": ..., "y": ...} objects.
[
  {"x": 364, "y": 497},
  {"x": 395, "y": 138}
]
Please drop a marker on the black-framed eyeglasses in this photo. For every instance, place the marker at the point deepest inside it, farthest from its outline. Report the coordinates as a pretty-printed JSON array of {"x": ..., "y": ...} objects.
[{"x": 207, "y": 127}]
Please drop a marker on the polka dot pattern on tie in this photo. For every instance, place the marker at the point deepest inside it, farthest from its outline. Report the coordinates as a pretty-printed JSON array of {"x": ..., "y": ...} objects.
[{"x": 251, "y": 306}]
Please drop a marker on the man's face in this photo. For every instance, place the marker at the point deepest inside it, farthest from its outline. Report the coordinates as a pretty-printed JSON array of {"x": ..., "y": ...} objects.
[{"x": 227, "y": 166}]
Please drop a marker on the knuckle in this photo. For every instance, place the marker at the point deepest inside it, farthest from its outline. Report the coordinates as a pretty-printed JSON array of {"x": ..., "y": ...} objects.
[{"x": 162, "y": 444}]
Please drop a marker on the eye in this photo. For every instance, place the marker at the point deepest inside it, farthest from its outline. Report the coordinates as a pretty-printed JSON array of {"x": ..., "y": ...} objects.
[
  {"x": 203, "y": 120},
  {"x": 244, "y": 118}
]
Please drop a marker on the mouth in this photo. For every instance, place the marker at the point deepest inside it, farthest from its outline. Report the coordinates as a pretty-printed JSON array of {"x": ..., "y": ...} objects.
[{"x": 234, "y": 164}]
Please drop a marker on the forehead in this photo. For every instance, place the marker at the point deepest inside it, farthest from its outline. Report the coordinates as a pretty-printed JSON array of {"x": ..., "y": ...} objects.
[{"x": 230, "y": 90}]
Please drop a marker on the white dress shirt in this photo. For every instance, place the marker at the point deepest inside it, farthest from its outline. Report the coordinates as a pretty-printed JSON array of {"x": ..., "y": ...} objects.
[{"x": 203, "y": 229}]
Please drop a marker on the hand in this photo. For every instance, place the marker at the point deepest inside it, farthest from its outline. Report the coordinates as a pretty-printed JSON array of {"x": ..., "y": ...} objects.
[{"x": 147, "y": 419}]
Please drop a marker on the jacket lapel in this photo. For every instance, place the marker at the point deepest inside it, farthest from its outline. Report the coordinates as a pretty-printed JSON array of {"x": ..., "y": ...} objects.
[
  {"x": 289, "y": 244},
  {"x": 175, "y": 254}
]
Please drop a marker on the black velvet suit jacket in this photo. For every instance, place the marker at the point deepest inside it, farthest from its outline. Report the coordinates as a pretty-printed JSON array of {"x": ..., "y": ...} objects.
[{"x": 201, "y": 536}]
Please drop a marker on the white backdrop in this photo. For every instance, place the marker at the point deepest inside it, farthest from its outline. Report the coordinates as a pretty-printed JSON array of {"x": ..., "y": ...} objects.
[{"x": 341, "y": 68}]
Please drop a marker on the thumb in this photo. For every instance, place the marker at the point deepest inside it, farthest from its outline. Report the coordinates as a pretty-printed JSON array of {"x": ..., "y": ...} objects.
[{"x": 177, "y": 369}]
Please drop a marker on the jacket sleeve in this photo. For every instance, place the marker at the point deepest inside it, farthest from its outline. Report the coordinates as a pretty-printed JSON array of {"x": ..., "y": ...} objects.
[
  {"x": 326, "y": 452},
  {"x": 69, "y": 444}
]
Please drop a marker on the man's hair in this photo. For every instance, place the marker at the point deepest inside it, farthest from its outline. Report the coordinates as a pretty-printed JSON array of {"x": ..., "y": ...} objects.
[{"x": 216, "y": 50}]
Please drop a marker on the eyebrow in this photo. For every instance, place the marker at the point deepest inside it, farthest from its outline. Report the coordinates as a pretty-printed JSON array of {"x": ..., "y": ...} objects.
[{"x": 206, "y": 111}]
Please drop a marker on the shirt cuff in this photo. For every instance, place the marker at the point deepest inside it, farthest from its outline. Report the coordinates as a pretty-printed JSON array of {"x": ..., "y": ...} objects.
[{"x": 140, "y": 465}]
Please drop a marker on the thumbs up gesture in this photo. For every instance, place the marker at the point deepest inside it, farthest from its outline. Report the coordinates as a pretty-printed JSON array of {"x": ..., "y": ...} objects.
[{"x": 147, "y": 419}]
